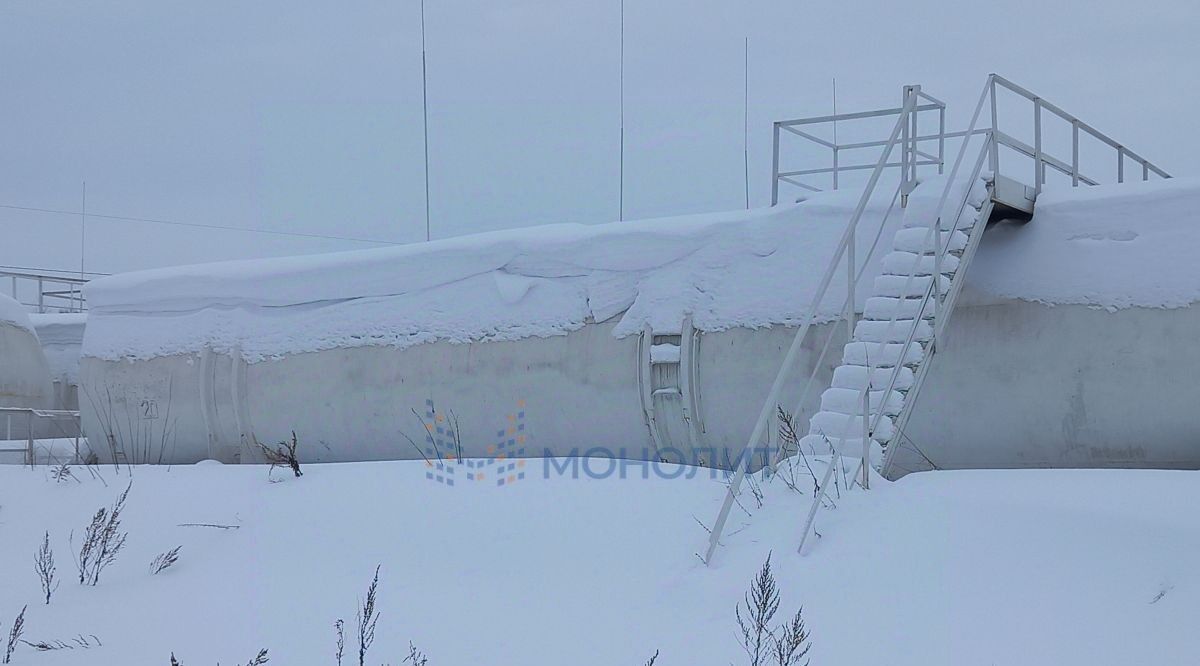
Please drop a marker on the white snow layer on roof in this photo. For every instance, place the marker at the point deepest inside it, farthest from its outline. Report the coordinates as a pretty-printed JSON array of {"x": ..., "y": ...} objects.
[
  {"x": 14, "y": 314},
  {"x": 1110, "y": 246},
  {"x": 1114, "y": 247},
  {"x": 741, "y": 268}
]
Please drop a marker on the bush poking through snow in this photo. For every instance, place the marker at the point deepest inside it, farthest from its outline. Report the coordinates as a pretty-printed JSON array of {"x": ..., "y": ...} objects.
[
  {"x": 340, "y": 627},
  {"x": 102, "y": 541},
  {"x": 791, "y": 644},
  {"x": 14, "y": 635},
  {"x": 367, "y": 617},
  {"x": 415, "y": 656},
  {"x": 653, "y": 659},
  {"x": 260, "y": 659},
  {"x": 43, "y": 563},
  {"x": 78, "y": 643},
  {"x": 789, "y": 437},
  {"x": 755, "y": 625},
  {"x": 164, "y": 561},
  {"x": 788, "y": 644},
  {"x": 62, "y": 472},
  {"x": 283, "y": 455}
]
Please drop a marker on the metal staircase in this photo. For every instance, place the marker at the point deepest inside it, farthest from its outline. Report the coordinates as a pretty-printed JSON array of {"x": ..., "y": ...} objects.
[{"x": 890, "y": 348}]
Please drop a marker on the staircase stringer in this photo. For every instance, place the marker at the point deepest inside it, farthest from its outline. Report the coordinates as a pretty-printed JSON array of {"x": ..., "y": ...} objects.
[{"x": 944, "y": 313}]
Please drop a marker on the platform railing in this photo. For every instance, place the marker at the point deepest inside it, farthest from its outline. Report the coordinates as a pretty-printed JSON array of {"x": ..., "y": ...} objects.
[
  {"x": 915, "y": 150},
  {"x": 1042, "y": 158},
  {"x": 911, "y": 154},
  {"x": 45, "y": 292}
]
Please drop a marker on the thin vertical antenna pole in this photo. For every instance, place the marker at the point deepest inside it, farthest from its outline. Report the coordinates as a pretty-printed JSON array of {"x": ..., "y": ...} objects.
[
  {"x": 775, "y": 163},
  {"x": 746, "y": 117},
  {"x": 621, "y": 149},
  {"x": 425, "y": 118},
  {"x": 835, "y": 149},
  {"x": 82, "y": 228}
]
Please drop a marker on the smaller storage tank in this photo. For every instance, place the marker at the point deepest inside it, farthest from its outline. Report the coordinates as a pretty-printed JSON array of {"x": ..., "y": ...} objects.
[
  {"x": 61, "y": 335},
  {"x": 24, "y": 373}
]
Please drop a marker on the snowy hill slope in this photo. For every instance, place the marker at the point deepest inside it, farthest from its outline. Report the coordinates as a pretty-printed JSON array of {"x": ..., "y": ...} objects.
[{"x": 1030, "y": 567}]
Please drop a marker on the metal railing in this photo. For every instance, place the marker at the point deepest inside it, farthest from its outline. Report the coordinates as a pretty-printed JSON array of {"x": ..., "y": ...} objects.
[
  {"x": 45, "y": 292},
  {"x": 938, "y": 237},
  {"x": 31, "y": 417},
  {"x": 845, "y": 249},
  {"x": 1041, "y": 158},
  {"x": 913, "y": 155}
]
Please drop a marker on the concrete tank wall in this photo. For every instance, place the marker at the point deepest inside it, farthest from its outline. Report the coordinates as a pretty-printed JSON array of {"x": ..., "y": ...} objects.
[
  {"x": 1015, "y": 384},
  {"x": 574, "y": 393},
  {"x": 1020, "y": 384}
]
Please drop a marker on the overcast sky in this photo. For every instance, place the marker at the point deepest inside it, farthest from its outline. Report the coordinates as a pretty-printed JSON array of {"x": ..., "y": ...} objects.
[{"x": 306, "y": 117}]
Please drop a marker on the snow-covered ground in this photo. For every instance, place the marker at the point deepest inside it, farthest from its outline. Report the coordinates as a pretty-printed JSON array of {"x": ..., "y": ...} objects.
[{"x": 996, "y": 567}]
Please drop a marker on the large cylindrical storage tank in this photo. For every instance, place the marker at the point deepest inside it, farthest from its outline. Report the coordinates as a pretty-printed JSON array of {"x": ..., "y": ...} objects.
[
  {"x": 645, "y": 340},
  {"x": 24, "y": 374},
  {"x": 656, "y": 339}
]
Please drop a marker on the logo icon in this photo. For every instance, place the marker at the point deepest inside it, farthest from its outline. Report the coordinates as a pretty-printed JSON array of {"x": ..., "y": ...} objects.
[{"x": 504, "y": 464}]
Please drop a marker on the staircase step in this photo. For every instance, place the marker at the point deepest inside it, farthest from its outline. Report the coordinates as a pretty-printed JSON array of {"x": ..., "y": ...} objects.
[
  {"x": 887, "y": 331},
  {"x": 920, "y": 241},
  {"x": 881, "y": 355},
  {"x": 966, "y": 221},
  {"x": 855, "y": 377},
  {"x": 851, "y": 447},
  {"x": 849, "y": 400},
  {"x": 835, "y": 425},
  {"x": 902, "y": 286},
  {"x": 883, "y": 308},
  {"x": 902, "y": 263}
]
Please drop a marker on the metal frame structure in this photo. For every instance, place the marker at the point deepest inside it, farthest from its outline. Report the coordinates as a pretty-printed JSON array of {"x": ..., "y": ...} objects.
[
  {"x": 937, "y": 294},
  {"x": 54, "y": 293},
  {"x": 913, "y": 156},
  {"x": 32, "y": 415}
]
